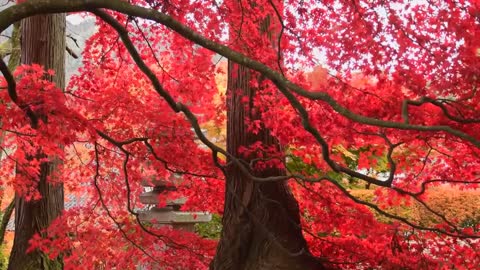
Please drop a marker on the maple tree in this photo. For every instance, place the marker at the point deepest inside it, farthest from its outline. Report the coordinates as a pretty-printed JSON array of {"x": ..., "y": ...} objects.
[
  {"x": 13, "y": 62},
  {"x": 395, "y": 106}
]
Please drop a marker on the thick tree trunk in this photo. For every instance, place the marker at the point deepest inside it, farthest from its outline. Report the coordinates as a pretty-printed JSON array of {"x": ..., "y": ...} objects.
[
  {"x": 261, "y": 222},
  {"x": 5, "y": 219},
  {"x": 43, "y": 42}
]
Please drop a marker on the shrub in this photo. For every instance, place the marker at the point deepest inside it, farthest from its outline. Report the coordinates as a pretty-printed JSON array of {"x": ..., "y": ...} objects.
[
  {"x": 459, "y": 206},
  {"x": 210, "y": 229}
]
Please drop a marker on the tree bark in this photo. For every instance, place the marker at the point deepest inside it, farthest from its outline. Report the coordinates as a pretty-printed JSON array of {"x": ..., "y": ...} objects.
[
  {"x": 43, "y": 42},
  {"x": 261, "y": 221}
]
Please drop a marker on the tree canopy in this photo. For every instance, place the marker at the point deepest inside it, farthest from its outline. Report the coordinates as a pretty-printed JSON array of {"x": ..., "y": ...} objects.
[{"x": 358, "y": 93}]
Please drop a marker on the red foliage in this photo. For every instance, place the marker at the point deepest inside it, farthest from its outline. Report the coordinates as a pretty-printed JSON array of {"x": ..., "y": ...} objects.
[{"x": 398, "y": 84}]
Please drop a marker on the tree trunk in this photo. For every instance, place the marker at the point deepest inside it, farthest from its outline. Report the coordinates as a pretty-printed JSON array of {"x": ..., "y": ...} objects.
[
  {"x": 43, "y": 42},
  {"x": 261, "y": 222},
  {"x": 5, "y": 219}
]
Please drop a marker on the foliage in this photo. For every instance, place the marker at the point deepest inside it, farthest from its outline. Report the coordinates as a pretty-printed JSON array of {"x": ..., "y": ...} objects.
[
  {"x": 454, "y": 204},
  {"x": 3, "y": 260},
  {"x": 211, "y": 229},
  {"x": 395, "y": 105}
]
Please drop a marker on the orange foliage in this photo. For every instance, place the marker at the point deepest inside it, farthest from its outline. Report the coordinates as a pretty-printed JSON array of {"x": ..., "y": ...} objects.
[
  {"x": 318, "y": 78},
  {"x": 8, "y": 243},
  {"x": 458, "y": 206}
]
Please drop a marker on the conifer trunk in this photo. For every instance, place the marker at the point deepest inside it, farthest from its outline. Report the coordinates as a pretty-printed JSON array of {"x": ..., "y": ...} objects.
[
  {"x": 43, "y": 42},
  {"x": 261, "y": 221}
]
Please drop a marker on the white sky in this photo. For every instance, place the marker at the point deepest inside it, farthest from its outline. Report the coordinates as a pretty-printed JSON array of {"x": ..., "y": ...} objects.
[{"x": 77, "y": 18}]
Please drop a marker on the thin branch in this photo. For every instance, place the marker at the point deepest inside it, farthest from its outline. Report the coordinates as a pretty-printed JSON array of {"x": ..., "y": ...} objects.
[
  {"x": 175, "y": 106},
  {"x": 71, "y": 52},
  {"x": 284, "y": 85},
  {"x": 437, "y": 103},
  {"x": 153, "y": 52},
  {"x": 424, "y": 162},
  {"x": 279, "y": 39},
  {"x": 167, "y": 167},
  {"x": 387, "y": 214},
  {"x": 107, "y": 210},
  {"x": 29, "y": 8},
  {"x": 74, "y": 40},
  {"x": 12, "y": 93}
]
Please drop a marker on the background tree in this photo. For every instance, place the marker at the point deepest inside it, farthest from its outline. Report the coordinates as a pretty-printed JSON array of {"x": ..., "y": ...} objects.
[
  {"x": 261, "y": 221},
  {"x": 43, "y": 43}
]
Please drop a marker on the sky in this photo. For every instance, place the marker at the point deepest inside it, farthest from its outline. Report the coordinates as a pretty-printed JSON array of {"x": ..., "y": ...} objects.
[{"x": 76, "y": 18}]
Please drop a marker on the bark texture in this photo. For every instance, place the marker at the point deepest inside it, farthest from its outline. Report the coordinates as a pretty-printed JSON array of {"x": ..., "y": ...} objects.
[
  {"x": 43, "y": 42},
  {"x": 261, "y": 222}
]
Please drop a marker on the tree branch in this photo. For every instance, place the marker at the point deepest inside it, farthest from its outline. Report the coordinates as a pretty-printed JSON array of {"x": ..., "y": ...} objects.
[
  {"x": 12, "y": 93},
  {"x": 33, "y": 7},
  {"x": 287, "y": 88}
]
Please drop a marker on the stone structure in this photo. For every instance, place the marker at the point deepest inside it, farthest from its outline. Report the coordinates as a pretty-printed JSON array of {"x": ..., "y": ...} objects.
[{"x": 169, "y": 214}]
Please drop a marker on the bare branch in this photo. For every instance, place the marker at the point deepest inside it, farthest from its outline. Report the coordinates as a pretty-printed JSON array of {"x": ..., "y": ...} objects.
[
  {"x": 107, "y": 210},
  {"x": 71, "y": 52}
]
